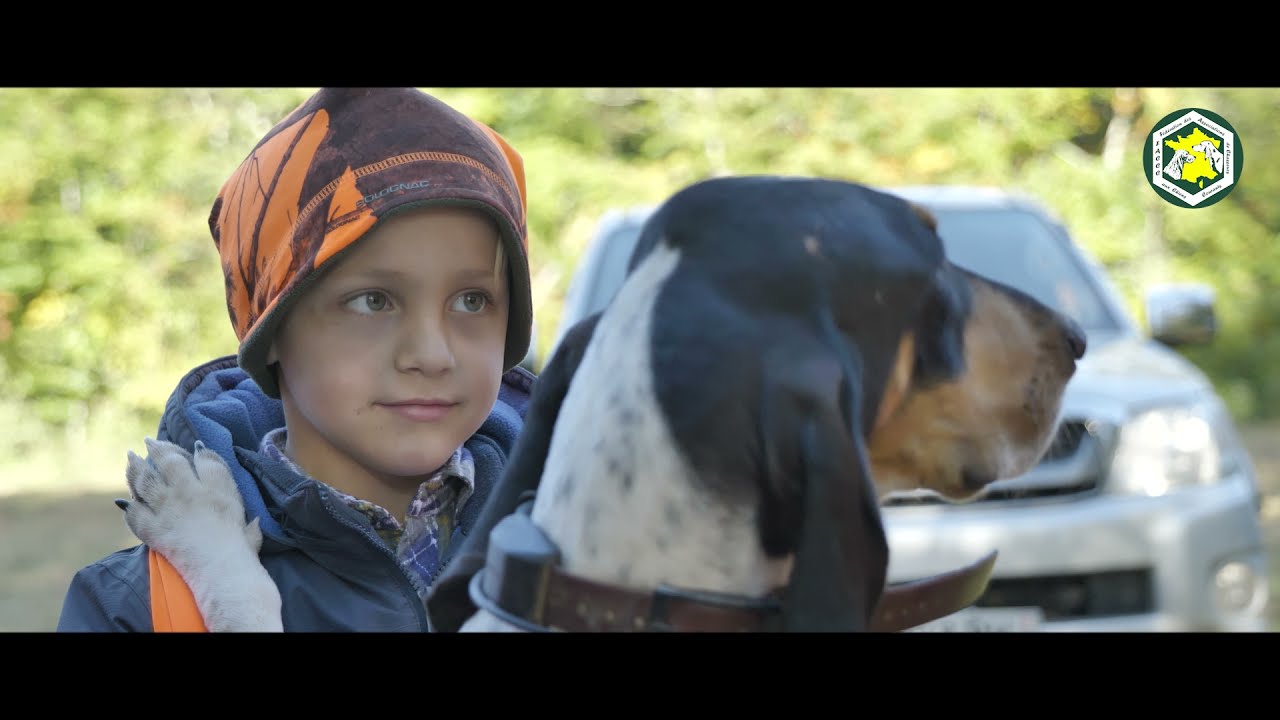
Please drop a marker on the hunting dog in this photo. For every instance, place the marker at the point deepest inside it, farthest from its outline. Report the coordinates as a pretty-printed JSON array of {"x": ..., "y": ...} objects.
[{"x": 711, "y": 450}]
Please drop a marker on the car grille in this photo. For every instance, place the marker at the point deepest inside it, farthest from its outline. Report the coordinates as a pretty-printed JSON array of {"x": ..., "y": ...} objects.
[
  {"x": 1065, "y": 597},
  {"x": 1067, "y": 442}
]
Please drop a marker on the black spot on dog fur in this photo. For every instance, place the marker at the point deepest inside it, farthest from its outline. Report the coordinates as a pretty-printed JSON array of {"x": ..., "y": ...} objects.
[
  {"x": 674, "y": 515},
  {"x": 566, "y": 488},
  {"x": 590, "y": 515}
]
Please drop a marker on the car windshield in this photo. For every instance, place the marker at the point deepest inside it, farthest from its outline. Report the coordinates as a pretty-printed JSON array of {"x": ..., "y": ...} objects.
[{"x": 1017, "y": 248}]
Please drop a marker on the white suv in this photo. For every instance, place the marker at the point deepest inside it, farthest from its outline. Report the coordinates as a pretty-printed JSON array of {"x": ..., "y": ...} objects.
[{"x": 1143, "y": 514}]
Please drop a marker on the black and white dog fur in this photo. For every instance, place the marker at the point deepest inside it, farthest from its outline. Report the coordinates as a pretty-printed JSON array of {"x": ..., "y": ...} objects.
[{"x": 783, "y": 353}]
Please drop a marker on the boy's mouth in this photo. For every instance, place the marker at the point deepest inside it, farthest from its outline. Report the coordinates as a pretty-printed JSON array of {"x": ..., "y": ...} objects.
[{"x": 420, "y": 409}]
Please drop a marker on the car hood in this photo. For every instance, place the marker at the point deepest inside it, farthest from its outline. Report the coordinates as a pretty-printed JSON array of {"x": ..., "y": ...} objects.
[{"x": 1124, "y": 374}]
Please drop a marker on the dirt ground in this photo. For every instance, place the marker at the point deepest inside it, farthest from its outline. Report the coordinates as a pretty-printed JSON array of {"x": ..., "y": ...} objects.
[{"x": 45, "y": 538}]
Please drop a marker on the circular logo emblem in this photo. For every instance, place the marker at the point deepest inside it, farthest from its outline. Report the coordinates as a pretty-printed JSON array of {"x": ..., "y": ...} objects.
[{"x": 1193, "y": 158}]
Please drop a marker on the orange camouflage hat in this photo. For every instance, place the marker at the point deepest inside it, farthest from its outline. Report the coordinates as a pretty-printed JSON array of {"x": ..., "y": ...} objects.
[{"x": 327, "y": 173}]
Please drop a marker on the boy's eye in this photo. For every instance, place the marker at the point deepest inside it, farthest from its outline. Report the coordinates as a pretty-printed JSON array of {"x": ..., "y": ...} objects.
[
  {"x": 471, "y": 302},
  {"x": 369, "y": 302}
]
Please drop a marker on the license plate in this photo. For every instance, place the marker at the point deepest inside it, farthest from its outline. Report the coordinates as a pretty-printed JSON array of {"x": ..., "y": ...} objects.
[{"x": 974, "y": 619}]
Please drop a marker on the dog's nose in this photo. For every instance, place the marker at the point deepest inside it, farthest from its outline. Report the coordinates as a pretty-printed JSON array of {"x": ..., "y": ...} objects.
[{"x": 1075, "y": 337}]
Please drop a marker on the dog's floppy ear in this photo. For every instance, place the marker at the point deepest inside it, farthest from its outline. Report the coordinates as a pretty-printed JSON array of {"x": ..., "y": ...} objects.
[
  {"x": 939, "y": 346},
  {"x": 817, "y": 460},
  {"x": 448, "y": 603},
  {"x": 939, "y": 350},
  {"x": 898, "y": 381}
]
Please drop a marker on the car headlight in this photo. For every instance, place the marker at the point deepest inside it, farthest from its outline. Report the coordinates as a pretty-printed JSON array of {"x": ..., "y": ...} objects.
[{"x": 1170, "y": 448}]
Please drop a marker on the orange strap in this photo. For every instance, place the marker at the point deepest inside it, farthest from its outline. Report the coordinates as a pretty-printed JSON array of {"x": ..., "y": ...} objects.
[{"x": 173, "y": 607}]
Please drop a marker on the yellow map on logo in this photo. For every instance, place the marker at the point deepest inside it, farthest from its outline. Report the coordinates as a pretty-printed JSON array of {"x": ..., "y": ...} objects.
[{"x": 1196, "y": 157}]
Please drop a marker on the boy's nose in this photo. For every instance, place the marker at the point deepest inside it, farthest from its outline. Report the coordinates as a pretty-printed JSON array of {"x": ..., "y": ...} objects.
[{"x": 425, "y": 348}]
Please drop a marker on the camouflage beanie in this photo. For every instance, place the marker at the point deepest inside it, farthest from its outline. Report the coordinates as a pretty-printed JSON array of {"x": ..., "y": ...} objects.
[{"x": 324, "y": 176}]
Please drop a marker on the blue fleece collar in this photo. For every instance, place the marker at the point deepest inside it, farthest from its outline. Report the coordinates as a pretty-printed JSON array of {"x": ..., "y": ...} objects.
[
  {"x": 220, "y": 405},
  {"x": 227, "y": 410}
]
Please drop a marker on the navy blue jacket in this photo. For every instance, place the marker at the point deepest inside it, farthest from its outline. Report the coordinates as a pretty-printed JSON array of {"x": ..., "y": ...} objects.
[{"x": 333, "y": 571}]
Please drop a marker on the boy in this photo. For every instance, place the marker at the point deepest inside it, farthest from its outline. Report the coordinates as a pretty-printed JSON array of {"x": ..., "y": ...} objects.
[{"x": 375, "y": 255}]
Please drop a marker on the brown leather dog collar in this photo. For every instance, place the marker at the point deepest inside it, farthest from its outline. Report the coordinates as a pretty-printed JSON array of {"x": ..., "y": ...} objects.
[
  {"x": 576, "y": 604},
  {"x": 909, "y": 604}
]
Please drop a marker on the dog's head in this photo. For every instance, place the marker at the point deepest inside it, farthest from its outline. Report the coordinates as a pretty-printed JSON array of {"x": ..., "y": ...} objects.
[
  {"x": 961, "y": 378},
  {"x": 975, "y": 390},
  {"x": 882, "y": 366}
]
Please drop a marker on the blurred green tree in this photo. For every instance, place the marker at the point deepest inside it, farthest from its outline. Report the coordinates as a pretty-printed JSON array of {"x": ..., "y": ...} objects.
[{"x": 109, "y": 285}]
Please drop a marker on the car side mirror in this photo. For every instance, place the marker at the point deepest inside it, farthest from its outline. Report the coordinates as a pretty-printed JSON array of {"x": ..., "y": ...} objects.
[{"x": 1181, "y": 314}]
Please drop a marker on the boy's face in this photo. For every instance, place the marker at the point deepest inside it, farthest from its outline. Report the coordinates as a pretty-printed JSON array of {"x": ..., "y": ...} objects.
[{"x": 394, "y": 359}]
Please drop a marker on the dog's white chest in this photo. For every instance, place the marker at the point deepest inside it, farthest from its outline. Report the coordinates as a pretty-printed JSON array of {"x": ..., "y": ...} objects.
[{"x": 615, "y": 495}]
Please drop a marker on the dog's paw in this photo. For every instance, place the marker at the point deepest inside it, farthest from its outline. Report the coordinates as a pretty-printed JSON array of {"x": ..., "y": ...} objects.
[
  {"x": 187, "y": 507},
  {"x": 180, "y": 498}
]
